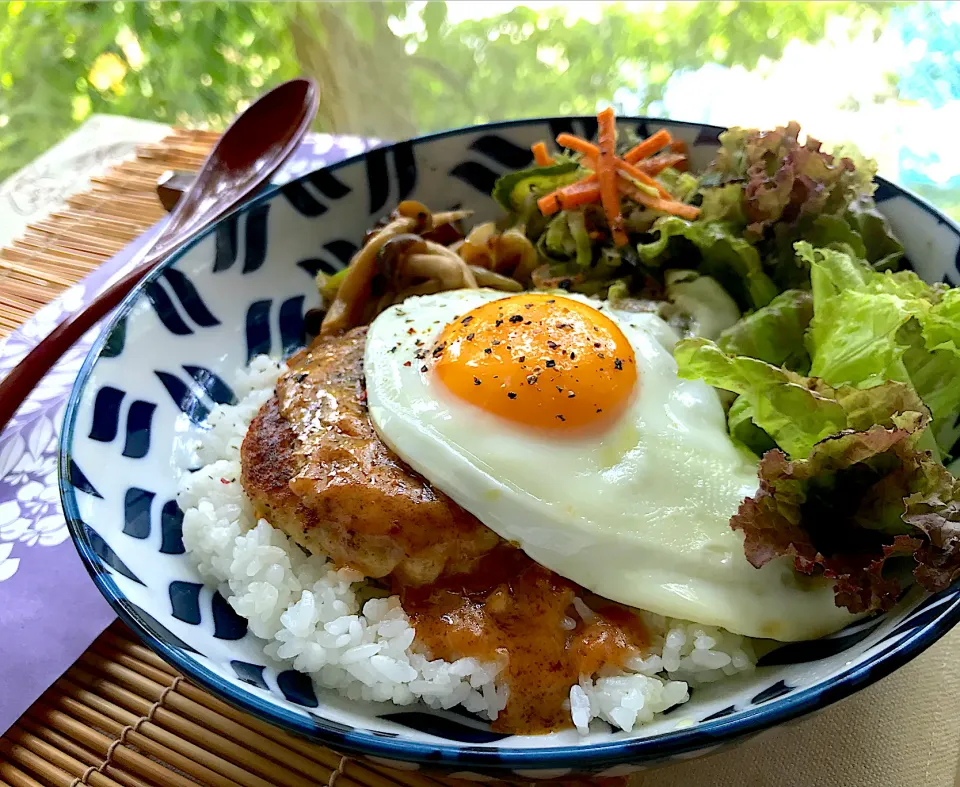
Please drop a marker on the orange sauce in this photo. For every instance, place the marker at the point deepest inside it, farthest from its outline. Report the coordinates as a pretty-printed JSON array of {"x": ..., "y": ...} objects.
[{"x": 512, "y": 610}]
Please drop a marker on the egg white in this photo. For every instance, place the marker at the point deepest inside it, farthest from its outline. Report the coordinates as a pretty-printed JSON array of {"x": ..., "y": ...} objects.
[{"x": 639, "y": 514}]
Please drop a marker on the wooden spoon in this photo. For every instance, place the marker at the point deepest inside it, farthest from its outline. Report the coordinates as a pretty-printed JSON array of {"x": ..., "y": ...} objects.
[{"x": 246, "y": 156}]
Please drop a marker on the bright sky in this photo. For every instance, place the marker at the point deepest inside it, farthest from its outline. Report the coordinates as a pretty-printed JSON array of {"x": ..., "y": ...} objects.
[{"x": 829, "y": 87}]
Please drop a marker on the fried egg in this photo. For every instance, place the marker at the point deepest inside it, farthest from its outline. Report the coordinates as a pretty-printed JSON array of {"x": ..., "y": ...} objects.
[{"x": 562, "y": 426}]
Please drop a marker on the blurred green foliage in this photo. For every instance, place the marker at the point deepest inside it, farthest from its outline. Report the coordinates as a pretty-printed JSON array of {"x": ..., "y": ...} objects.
[{"x": 385, "y": 69}]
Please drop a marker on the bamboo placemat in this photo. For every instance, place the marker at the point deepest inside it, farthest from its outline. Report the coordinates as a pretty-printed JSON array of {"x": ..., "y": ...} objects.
[{"x": 121, "y": 717}]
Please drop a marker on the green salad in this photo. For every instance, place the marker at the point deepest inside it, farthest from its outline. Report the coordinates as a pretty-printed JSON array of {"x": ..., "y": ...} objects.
[{"x": 840, "y": 368}]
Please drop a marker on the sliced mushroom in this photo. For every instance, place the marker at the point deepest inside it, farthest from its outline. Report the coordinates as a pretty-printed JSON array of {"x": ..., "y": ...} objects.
[
  {"x": 354, "y": 290},
  {"x": 516, "y": 256},
  {"x": 393, "y": 253},
  {"x": 495, "y": 281}
]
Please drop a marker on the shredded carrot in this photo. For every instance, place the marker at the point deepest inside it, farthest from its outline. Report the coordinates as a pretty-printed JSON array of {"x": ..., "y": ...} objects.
[
  {"x": 577, "y": 144},
  {"x": 554, "y": 201},
  {"x": 638, "y": 174},
  {"x": 540, "y": 155},
  {"x": 614, "y": 176},
  {"x": 607, "y": 174},
  {"x": 680, "y": 209},
  {"x": 679, "y": 146},
  {"x": 549, "y": 203},
  {"x": 629, "y": 171},
  {"x": 648, "y": 147},
  {"x": 654, "y": 165},
  {"x": 582, "y": 192}
]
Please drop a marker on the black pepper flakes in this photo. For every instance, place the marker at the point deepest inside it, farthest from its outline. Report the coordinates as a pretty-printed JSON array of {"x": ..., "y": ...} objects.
[
  {"x": 393, "y": 349},
  {"x": 599, "y": 409},
  {"x": 495, "y": 342},
  {"x": 560, "y": 416},
  {"x": 516, "y": 318},
  {"x": 522, "y": 358},
  {"x": 618, "y": 365},
  {"x": 470, "y": 337},
  {"x": 498, "y": 323},
  {"x": 423, "y": 368},
  {"x": 550, "y": 363},
  {"x": 300, "y": 377},
  {"x": 487, "y": 350},
  {"x": 532, "y": 379},
  {"x": 596, "y": 344},
  {"x": 573, "y": 355},
  {"x": 571, "y": 395},
  {"x": 476, "y": 381},
  {"x": 511, "y": 395},
  {"x": 552, "y": 345},
  {"x": 467, "y": 320}
]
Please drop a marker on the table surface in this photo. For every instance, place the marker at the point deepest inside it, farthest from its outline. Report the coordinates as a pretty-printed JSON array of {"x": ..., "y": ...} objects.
[{"x": 903, "y": 731}]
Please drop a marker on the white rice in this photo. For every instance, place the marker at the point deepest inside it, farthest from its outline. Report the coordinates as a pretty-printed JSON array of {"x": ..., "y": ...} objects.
[{"x": 323, "y": 621}]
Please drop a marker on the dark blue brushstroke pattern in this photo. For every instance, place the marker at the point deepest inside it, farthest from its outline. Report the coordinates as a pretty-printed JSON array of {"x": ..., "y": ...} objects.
[
  {"x": 503, "y": 151},
  {"x": 815, "y": 649},
  {"x": 378, "y": 179},
  {"x": 249, "y": 673},
  {"x": 79, "y": 481},
  {"x": 302, "y": 200},
  {"x": 343, "y": 250},
  {"x": 136, "y": 512},
  {"x": 297, "y": 688},
  {"x": 227, "y": 624},
  {"x": 190, "y": 298},
  {"x": 443, "y": 727},
  {"x": 156, "y": 628},
  {"x": 107, "y": 556},
  {"x": 184, "y": 398},
  {"x": 258, "y": 329},
  {"x": 477, "y": 175},
  {"x": 163, "y": 305},
  {"x": 255, "y": 237},
  {"x": 406, "y": 166},
  {"x": 212, "y": 384},
  {"x": 720, "y": 714},
  {"x": 106, "y": 414},
  {"x": 328, "y": 184},
  {"x": 225, "y": 250},
  {"x": 139, "y": 421},
  {"x": 778, "y": 689},
  {"x": 171, "y": 529},
  {"x": 185, "y": 601},
  {"x": 115, "y": 342},
  {"x": 291, "y": 324}
]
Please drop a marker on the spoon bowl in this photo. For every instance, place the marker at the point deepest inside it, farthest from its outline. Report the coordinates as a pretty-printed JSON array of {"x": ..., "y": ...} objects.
[{"x": 250, "y": 151}]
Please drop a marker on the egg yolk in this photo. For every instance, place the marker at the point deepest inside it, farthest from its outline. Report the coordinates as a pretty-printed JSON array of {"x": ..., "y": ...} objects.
[{"x": 540, "y": 360}]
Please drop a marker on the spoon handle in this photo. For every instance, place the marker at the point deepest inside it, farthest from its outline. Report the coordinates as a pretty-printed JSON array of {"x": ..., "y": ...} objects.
[
  {"x": 239, "y": 164},
  {"x": 25, "y": 376}
]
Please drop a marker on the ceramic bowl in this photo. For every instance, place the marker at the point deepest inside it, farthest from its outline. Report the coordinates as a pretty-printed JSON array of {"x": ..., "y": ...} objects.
[{"x": 241, "y": 289}]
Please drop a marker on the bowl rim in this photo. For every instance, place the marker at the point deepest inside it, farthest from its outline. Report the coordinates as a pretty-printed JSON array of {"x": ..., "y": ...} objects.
[{"x": 704, "y": 736}]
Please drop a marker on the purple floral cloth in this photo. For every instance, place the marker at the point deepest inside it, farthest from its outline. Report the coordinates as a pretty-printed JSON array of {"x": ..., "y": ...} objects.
[{"x": 50, "y": 610}]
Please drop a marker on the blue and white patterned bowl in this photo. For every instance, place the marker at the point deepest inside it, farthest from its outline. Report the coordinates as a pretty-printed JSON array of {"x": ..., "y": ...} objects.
[{"x": 242, "y": 289}]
